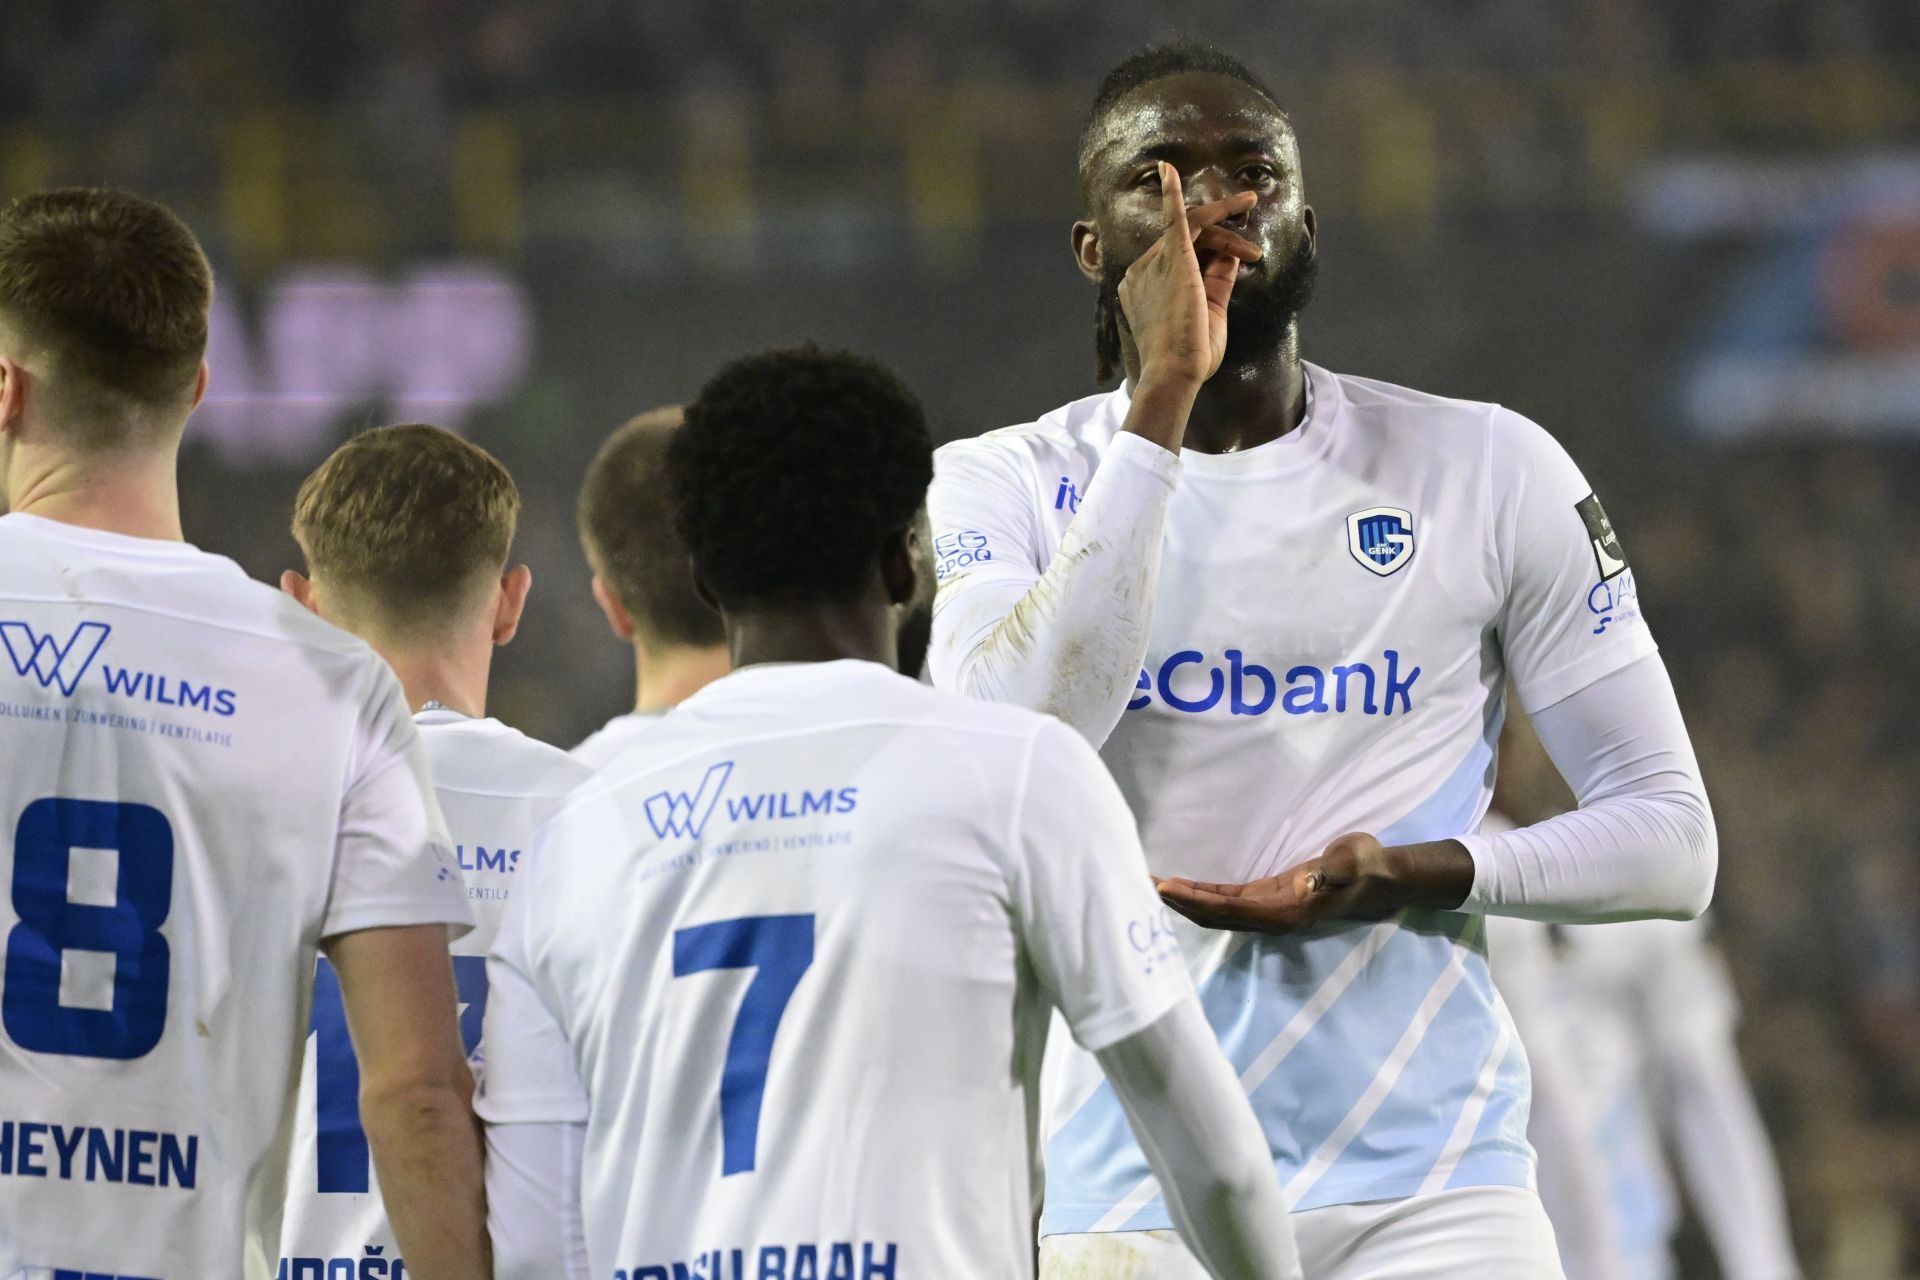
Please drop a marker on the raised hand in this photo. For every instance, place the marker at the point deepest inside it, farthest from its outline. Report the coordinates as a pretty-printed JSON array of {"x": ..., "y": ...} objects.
[
  {"x": 1354, "y": 879},
  {"x": 1175, "y": 295}
]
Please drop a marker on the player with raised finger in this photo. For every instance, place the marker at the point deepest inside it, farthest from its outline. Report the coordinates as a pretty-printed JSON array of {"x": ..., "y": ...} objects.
[{"x": 1285, "y": 603}]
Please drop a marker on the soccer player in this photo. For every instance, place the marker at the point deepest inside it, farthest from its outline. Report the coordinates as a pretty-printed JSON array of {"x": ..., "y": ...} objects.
[
  {"x": 641, "y": 580},
  {"x": 1284, "y": 602},
  {"x": 204, "y": 785},
  {"x": 772, "y": 991},
  {"x": 406, "y": 532},
  {"x": 1651, "y": 1010}
]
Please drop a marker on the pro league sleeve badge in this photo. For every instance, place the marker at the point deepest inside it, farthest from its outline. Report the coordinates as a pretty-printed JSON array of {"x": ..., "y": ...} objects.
[{"x": 1607, "y": 553}]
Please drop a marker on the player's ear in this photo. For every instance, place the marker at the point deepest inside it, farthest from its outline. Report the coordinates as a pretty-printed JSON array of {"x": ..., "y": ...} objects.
[
  {"x": 1312, "y": 225},
  {"x": 300, "y": 587},
  {"x": 514, "y": 585},
  {"x": 906, "y": 565},
  {"x": 200, "y": 384},
  {"x": 13, "y": 395},
  {"x": 1087, "y": 254},
  {"x": 616, "y": 613},
  {"x": 705, "y": 592}
]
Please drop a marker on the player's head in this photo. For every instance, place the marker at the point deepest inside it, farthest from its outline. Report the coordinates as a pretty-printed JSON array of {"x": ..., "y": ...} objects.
[
  {"x": 640, "y": 573},
  {"x": 1213, "y": 119},
  {"x": 103, "y": 323},
  {"x": 406, "y": 532},
  {"x": 800, "y": 484}
]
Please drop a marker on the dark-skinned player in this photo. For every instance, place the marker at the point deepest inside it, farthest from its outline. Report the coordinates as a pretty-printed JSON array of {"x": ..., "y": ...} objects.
[{"x": 1285, "y": 602}]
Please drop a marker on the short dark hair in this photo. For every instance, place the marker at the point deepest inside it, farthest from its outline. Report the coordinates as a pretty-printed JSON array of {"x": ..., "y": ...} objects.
[
  {"x": 792, "y": 470},
  {"x": 405, "y": 521},
  {"x": 1157, "y": 62},
  {"x": 116, "y": 289},
  {"x": 626, "y": 530}
]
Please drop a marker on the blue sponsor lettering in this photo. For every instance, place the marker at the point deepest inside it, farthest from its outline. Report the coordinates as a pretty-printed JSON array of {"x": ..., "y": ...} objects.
[
  {"x": 158, "y": 689},
  {"x": 1216, "y": 686},
  {"x": 1250, "y": 689},
  {"x": 775, "y": 805},
  {"x": 481, "y": 858},
  {"x": 953, "y": 552},
  {"x": 1067, "y": 496}
]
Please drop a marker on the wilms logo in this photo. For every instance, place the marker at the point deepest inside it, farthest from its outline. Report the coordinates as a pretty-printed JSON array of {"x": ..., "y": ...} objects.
[
  {"x": 679, "y": 814},
  {"x": 53, "y": 662}
]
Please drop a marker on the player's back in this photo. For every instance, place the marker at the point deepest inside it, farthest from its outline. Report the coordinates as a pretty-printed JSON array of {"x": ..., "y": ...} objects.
[
  {"x": 801, "y": 941},
  {"x": 495, "y": 786},
  {"x": 202, "y": 781}
]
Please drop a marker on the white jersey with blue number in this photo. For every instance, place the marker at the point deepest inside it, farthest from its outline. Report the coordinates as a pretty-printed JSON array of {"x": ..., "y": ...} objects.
[
  {"x": 1338, "y": 612},
  {"x": 202, "y": 781},
  {"x": 495, "y": 786},
  {"x": 790, "y": 960}
]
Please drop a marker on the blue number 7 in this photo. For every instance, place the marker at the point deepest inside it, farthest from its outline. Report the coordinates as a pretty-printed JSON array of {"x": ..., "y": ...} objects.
[{"x": 781, "y": 949}]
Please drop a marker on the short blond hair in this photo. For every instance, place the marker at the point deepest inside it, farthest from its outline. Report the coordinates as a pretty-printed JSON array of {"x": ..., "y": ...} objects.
[{"x": 405, "y": 522}]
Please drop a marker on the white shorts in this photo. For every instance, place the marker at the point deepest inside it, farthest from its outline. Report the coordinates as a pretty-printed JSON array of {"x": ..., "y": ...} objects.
[{"x": 1487, "y": 1233}]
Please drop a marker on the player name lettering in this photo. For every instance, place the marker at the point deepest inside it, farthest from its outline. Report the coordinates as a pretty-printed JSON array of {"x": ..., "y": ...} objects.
[
  {"x": 839, "y": 1260},
  {"x": 81, "y": 1153},
  {"x": 371, "y": 1264},
  {"x": 1188, "y": 682}
]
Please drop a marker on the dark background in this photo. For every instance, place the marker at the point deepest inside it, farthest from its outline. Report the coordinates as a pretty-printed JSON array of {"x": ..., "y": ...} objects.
[{"x": 1685, "y": 237}]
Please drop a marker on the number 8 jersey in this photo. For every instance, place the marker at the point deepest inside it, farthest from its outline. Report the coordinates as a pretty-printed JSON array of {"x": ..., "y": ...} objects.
[{"x": 202, "y": 781}]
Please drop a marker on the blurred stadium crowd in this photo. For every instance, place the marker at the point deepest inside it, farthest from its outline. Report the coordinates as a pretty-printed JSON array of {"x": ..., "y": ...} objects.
[{"x": 1781, "y": 574}]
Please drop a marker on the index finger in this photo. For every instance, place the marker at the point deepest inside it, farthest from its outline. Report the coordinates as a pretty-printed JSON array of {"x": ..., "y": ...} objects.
[{"x": 1173, "y": 200}]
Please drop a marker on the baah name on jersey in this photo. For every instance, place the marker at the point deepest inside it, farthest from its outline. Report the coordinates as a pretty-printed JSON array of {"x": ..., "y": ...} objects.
[
  {"x": 1189, "y": 683},
  {"x": 81, "y": 1153},
  {"x": 840, "y": 1260}
]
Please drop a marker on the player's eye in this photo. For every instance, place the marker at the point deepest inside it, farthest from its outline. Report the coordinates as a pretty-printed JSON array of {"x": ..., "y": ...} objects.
[
  {"x": 1259, "y": 174},
  {"x": 1147, "y": 179}
]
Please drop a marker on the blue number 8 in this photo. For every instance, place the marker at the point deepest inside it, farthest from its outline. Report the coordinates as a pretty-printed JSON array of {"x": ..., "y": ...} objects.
[{"x": 52, "y": 924}]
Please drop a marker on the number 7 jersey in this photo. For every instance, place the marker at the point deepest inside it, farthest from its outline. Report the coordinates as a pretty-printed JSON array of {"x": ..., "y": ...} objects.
[
  {"x": 202, "y": 781},
  {"x": 790, "y": 960}
]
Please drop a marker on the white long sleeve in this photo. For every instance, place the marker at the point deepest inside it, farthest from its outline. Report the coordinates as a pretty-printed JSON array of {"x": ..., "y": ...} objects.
[
  {"x": 1205, "y": 1146},
  {"x": 533, "y": 1201},
  {"x": 1642, "y": 843},
  {"x": 1067, "y": 637}
]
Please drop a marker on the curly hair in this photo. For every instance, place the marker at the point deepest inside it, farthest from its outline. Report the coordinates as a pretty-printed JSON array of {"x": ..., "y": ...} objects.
[
  {"x": 1150, "y": 64},
  {"x": 791, "y": 470}
]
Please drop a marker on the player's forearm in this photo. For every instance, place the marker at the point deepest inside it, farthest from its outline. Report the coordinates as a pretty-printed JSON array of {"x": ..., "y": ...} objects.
[
  {"x": 1641, "y": 845},
  {"x": 1205, "y": 1146},
  {"x": 1072, "y": 644},
  {"x": 426, "y": 1148}
]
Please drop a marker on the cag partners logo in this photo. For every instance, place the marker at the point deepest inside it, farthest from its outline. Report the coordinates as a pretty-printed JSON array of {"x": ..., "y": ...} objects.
[
  {"x": 54, "y": 663},
  {"x": 682, "y": 814}
]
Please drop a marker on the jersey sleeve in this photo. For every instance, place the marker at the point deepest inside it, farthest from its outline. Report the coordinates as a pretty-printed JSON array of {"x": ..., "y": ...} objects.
[
  {"x": 393, "y": 861},
  {"x": 1097, "y": 934},
  {"x": 530, "y": 1076},
  {"x": 1572, "y": 613}
]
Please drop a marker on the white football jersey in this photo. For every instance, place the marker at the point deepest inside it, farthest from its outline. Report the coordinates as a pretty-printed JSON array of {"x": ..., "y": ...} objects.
[
  {"x": 495, "y": 786},
  {"x": 613, "y": 737},
  {"x": 203, "y": 781},
  {"x": 1338, "y": 613},
  {"x": 790, "y": 959}
]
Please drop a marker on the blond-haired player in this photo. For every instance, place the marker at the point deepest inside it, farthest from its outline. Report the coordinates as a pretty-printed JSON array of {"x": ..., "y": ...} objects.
[
  {"x": 406, "y": 532},
  {"x": 204, "y": 786}
]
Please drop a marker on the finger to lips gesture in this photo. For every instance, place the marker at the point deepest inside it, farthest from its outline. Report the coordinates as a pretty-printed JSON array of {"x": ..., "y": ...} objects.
[{"x": 1175, "y": 294}]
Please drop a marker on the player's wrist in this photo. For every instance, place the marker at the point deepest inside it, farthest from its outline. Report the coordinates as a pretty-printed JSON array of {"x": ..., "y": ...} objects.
[
  {"x": 1437, "y": 875},
  {"x": 1162, "y": 402}
]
